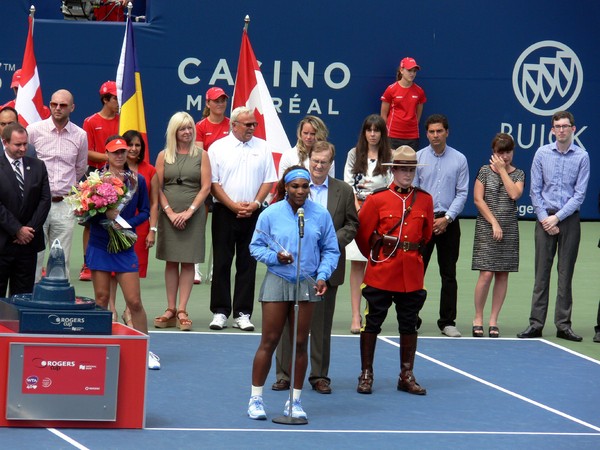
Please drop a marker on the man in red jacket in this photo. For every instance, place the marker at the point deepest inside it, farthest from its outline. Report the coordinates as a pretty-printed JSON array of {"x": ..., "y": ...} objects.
[{"x": 394, "y": 225}]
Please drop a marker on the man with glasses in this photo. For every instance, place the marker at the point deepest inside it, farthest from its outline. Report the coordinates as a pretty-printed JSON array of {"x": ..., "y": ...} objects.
[
  {"x": 560, "y": 172},
  {"x": 99, "y": 127},
  {"x": 63, "y": 146},
  {"x": 445, "y": 175},
  {"x": 338, "y": 198},
  {"x": 242, "y": 175}
]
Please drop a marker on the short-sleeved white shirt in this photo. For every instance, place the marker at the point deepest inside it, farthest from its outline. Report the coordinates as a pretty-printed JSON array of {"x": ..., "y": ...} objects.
[{"x": 241, "y": 167}]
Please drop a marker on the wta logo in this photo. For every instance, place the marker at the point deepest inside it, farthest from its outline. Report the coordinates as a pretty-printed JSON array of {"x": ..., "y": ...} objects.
[{"x": 547, "y": 78}]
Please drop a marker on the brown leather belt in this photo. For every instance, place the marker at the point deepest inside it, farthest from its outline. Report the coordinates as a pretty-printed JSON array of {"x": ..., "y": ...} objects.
[
  {"x": 407, "y": 246},
  {"x": 58, "y": 198}
]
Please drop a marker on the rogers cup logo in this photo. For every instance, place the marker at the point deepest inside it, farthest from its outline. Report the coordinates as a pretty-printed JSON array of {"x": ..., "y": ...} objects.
[{"x": 547, "y": 78}]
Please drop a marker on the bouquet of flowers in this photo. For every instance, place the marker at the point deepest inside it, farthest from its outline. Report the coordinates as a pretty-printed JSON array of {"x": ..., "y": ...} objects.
[{"x": 98, "y": 193}]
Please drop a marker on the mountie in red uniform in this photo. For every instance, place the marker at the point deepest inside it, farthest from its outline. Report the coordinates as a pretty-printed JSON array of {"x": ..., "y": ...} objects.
[{"x": 394, "y": 274}]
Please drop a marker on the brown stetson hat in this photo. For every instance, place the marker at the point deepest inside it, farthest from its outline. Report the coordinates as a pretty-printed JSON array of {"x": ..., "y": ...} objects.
[{"x": 403, "y": 156}]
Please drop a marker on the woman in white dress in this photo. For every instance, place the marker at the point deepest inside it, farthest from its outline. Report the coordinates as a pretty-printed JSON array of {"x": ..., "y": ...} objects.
[{"x": 365, "y": 172}]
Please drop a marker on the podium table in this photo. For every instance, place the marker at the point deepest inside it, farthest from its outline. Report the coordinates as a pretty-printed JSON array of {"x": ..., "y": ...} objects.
[{"x": 73, "y": 381}]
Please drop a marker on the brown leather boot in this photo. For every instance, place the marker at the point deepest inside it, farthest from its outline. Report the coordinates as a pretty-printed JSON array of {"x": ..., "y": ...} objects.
[
  {"x": 406, "y": 380},
  {"x": 367, "y": 351}
]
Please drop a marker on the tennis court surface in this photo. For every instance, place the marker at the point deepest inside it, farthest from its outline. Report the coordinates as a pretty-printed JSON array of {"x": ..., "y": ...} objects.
[{"x": 481, "y": 393}]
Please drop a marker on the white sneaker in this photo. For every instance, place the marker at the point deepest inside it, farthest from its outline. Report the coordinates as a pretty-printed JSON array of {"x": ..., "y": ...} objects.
[
  {"x": 297, "y": 410},
  {"x": 219, "y": 322},
  {"x": 153, "y": 361},
  {"x": 243, "y": 323},
  {"x": 197, "y": 274},
  {"x": 256, "y": 408},
  {"x": 451, "y": 331}
]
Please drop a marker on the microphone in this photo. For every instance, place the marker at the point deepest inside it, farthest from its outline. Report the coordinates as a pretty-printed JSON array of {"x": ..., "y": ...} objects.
[{"x": 301, "y": 221}]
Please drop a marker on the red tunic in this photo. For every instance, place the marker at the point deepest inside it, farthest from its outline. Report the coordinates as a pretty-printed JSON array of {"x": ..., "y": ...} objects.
[{"x": 403, "y": 272}]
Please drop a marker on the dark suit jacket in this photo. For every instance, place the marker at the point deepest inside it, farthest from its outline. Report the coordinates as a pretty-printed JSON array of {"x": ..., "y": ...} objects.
[
  {"x": 31, "y": 210},
  {"x": 340, "y": 204}
]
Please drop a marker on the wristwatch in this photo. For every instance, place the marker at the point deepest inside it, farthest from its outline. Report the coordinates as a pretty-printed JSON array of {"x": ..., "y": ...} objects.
[
  {"x": 153, "y": 229},
  {"x": 448, "y": 218}
]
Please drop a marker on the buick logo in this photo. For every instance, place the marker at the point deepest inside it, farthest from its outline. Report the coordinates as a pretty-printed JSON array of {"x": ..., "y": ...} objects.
[{"x": 547, "y": 78}]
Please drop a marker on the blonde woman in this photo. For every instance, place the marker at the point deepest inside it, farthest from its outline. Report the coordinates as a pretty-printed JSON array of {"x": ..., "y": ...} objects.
[
  {"x": 310, "y": 130},
  {"x": 184, "y": 176}
]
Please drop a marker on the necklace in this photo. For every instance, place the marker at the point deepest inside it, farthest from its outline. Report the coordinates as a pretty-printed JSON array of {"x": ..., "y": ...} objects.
[{"x": 177, "y": 159}]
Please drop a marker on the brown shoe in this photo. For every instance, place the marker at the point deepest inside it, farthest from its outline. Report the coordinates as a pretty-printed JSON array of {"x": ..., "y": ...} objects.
[
  {"x": 281, "y": 385},
  {"x": 407, "y": 383},
  {"x": 165, "y": 321},
  {"x": 365, "y": 382},
  {"x": 322, "y": 386}
]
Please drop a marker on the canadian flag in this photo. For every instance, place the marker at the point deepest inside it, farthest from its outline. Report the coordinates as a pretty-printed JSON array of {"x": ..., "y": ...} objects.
[
  {"x": 251, "y": 91},
  {"x": 29, "y": 102}
]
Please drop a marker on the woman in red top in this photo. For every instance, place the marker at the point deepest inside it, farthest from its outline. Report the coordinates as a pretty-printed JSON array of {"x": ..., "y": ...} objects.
[
  {"x": 402, "y": 106},
  {"x": 214, "y": 125}
]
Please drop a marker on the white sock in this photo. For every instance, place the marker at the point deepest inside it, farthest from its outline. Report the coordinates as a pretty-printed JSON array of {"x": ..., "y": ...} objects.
[
  {"x": 257, "y": 391},
  {"x": 296, "y": 394}
]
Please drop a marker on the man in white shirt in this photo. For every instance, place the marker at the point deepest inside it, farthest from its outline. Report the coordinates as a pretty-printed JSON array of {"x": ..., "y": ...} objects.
[{"x": 242, "y": 175}]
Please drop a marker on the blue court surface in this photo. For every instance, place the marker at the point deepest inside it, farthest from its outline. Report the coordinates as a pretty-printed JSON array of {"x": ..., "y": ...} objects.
[{"x": 482, "y": 393}]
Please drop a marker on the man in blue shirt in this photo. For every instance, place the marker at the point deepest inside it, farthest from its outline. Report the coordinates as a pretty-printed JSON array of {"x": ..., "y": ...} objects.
[
  {"x": 560, "y": 172},
  {"x": 443, "y": 172}
]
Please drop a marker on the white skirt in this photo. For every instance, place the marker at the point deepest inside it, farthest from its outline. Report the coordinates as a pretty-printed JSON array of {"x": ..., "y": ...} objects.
[{"x": 353, "y": 253}]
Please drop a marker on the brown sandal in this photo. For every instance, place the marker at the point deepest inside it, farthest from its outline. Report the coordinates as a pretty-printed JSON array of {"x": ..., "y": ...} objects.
[
  {"x": 184, "y": 324},
  {"x": 166, "y": 322}
]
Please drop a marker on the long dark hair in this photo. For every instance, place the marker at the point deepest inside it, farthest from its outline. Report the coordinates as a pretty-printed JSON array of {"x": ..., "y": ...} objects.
[
  {"x": 384, "y": 152},
  {"x": 129, "y": 135}
]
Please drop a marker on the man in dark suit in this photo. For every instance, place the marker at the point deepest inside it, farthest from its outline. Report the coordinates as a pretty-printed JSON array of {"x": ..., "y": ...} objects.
[
  {"x": 338, "y": 198},
  {"x": 24, "y": 205}
]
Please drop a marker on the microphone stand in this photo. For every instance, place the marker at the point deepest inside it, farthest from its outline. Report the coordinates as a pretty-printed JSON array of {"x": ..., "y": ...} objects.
[{"x": 289, "y": 420}]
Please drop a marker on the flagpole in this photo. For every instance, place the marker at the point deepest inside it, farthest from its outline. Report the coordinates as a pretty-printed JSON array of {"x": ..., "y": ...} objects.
[
  {"x": 246, "y": 22},
  {"x": 129, "y": 8},
  {"x": 31, "y": 14}
]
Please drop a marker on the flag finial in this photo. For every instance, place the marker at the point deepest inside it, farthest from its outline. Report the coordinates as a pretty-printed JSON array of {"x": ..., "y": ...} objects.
[
  {"x": 129, "y": 8},
  {"x": 246, "y": 22}
]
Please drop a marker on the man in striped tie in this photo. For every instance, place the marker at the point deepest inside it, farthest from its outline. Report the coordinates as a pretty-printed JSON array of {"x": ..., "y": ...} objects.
[{"x": 24, "y": 205}]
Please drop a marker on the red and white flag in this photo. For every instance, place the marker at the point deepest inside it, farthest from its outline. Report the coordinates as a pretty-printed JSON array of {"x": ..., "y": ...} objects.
[
  {"x": 29, "y": 102},
  {"x": 251, "y": 91}
]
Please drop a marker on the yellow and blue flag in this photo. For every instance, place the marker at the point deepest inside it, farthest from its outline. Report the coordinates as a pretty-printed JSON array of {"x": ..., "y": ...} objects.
[{"x": 129, "y": 89}]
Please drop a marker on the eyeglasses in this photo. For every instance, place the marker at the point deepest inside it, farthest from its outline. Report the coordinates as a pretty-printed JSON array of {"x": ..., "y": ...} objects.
[
  {"x": 320, "y": 163},
  {"x": 55, "y": 105},
  {"x": 562, "y": 127},
  {"x": 248, "y": 124}
]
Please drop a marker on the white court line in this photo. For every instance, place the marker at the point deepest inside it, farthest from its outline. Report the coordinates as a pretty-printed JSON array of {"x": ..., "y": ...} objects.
[
  {"x": 499, "y": 388},
  {"x": 304, "y": 430},
  {"x": 71, "y": 441}
]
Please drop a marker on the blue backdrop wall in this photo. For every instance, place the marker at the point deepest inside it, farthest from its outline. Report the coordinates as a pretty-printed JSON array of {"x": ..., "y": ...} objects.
[{"x": 488, "y": 66}]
